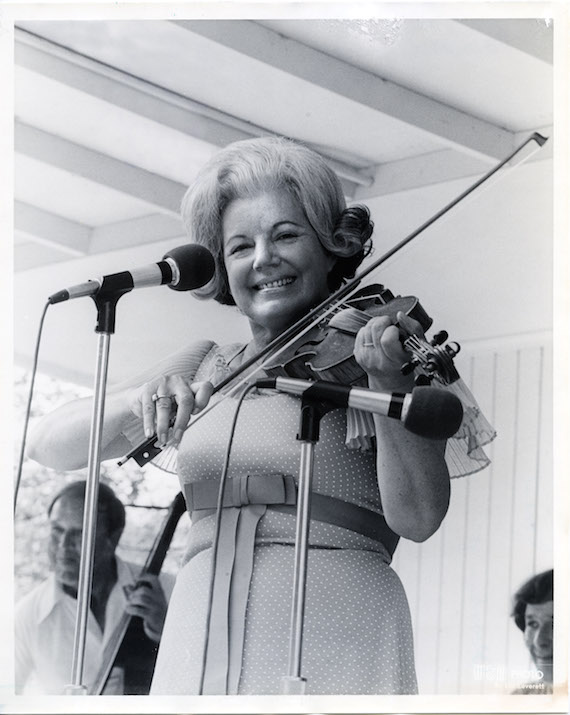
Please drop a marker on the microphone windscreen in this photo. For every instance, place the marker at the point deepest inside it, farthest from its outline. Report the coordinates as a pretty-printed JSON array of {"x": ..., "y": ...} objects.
[
  {"x": 434, "y": 413},
  {"x": 195, "y": 263}
]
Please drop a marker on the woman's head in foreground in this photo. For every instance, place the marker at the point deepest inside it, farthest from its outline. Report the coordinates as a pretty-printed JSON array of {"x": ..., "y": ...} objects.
[{"x": 249, "y": 168}]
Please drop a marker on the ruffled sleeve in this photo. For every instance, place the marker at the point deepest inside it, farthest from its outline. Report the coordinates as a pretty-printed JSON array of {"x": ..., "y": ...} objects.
[{"x": 464, "y": 453}]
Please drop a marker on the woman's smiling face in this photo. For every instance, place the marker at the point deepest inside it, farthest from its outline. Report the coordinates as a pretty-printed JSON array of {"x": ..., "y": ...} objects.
[{"x": 277, "y": 268}]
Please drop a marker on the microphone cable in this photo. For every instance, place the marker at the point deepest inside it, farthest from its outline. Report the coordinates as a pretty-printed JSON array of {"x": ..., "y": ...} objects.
[
  {"x": 29, "y": 405},
  {"x": 216, "y": 537}
]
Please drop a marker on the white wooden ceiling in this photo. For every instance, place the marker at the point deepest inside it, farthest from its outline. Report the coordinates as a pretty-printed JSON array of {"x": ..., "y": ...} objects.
[{"x": 114, "y": 118}]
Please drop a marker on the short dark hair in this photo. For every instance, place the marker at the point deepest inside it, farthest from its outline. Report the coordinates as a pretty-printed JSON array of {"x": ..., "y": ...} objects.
[
  {"x": 538, "y": 589},
  {"x": 108, "y": 504}
]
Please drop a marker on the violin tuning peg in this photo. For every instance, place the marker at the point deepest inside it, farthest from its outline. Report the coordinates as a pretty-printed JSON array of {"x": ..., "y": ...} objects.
[
  {"x": 422, "y": 380},
  {"x": 439, "y": 338},
  {"x": 408, "y": 367},
  {"x": 452, "y": 349}
]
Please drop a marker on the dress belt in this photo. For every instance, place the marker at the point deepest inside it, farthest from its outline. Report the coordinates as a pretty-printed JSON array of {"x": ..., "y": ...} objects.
[
  {"x": 246, "y": 499},
  {"x": 279, "y": 492}
]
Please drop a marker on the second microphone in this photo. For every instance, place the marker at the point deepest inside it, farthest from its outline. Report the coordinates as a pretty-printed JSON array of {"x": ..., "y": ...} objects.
[{"x": 426, "y": 411}]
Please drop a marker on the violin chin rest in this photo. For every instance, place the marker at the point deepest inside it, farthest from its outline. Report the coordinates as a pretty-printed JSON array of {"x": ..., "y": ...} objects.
[{"x": 433, "y": 412}]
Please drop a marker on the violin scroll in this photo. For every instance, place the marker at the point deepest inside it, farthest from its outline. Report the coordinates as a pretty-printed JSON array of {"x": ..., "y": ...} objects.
[{"x": 433, "y": 359}]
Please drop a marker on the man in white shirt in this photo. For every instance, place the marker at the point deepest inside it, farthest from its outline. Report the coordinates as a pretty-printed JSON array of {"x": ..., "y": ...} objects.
[{"x": 45, "y": 618}]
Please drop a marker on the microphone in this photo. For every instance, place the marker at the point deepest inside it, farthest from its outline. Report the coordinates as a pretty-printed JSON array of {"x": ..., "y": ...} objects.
[
  {"x": 426, "y": 411},
  {"x": 184, "y": 268}
]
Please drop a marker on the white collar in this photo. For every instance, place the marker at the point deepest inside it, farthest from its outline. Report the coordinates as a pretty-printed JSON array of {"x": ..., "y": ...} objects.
[{"x": 53, "y": 594}]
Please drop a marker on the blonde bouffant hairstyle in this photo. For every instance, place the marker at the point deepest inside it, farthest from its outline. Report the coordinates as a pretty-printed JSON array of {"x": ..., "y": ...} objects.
[{"x": 247, "y": 168}]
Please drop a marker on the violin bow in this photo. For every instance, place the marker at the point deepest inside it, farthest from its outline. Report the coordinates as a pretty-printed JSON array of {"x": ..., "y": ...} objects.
[{"x": 147, "y": 450}]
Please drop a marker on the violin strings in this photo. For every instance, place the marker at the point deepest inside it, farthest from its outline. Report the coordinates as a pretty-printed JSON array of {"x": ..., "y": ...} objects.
[{"x": 414, "y": 344}]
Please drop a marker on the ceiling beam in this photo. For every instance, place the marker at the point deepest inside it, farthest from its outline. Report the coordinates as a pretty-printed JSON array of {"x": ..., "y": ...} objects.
[
  {"x": 136, "y": 232},
  {"x": 439, "y": 167},
  {"x": 533, "y": 36},
  {"x": 147, "y": 99},
  {"x": 43, "y": 238},
  {"x": 157, "y": 191},
  {"x": 425, "y": 170},
  {"x": 453, "y": 128},
  {"x": 128, "y": 92},
  {"x": 69, "y": 237}
]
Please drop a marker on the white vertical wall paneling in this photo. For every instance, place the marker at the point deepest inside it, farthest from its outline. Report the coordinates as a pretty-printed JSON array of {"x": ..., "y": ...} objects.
[
  {"x": 468, "y": 519},
  {"x": 493, "y": 474},
  {"x": 545, "y": 471},
  {"x": 500, "y": 518},
  {"x": 482, "y": 382},
  {"x": 522, "y": 550},
  {"x": 498, "y": 531}
]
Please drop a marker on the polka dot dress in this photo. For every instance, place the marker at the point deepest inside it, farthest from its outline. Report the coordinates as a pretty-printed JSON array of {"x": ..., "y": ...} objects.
[{"x": 357, "y": 637}]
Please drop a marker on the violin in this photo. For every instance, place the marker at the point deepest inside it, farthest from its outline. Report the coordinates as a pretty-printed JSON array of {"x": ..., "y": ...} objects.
[
  {"x": 328, "y": 351},
  {"x": 433, "y": 359}
]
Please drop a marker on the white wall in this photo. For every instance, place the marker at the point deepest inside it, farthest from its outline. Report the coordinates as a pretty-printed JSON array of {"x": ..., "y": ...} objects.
[
  {"x": 486, "y": 276},
  {"x": 497, "y": 533},
  {"x": 485, "y": 269}
]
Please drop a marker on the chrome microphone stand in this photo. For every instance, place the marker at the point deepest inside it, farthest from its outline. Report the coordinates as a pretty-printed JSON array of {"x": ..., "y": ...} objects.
[
  {"x": 312, "y": 410},
  {"x": 106, "y": 301}
]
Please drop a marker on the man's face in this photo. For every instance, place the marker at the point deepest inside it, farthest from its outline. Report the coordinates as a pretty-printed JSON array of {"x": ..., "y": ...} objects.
[
  {"x": 66, "y": 525},
  {"x": 538, "y": 632}
]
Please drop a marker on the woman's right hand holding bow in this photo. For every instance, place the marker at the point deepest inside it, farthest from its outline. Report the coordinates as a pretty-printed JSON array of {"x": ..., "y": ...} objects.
[
  {"x": 165, "y": 405},
  {"x": 60, "y": 440}
]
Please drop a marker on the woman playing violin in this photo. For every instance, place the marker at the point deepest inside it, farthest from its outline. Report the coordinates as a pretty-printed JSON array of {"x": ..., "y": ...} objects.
[{"x": 274, "y": 216}]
